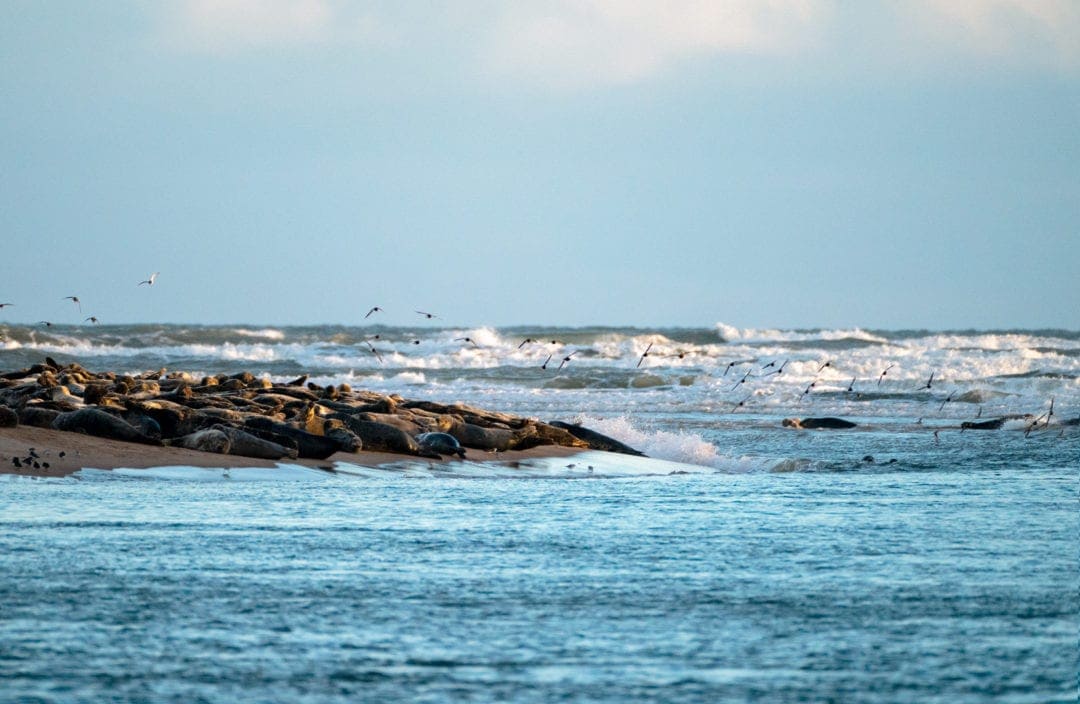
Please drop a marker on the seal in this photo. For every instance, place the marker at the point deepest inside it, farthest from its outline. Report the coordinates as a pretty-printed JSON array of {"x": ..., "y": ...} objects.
[
  {"x": 38, "y": 416},
  {"x": 247, "y": 445},
  {"x": 8, "y": 418},
  {"x": 308, "y": 445},
  {"x": 814, "y": 423},
  {"x": 596, "y": 440},
  {"x": 209, "y": 440},
  {"x": 93, "y": 421},
  {"x": 382, "y": 437},
  {"x": 992, "y": 424},
  {"x": 440, "y": 444}
]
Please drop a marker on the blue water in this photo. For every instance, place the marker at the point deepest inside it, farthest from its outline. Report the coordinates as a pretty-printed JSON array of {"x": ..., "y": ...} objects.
[
  {"x": 868, "y": 584},
  {"x": 745, "y": 562}
]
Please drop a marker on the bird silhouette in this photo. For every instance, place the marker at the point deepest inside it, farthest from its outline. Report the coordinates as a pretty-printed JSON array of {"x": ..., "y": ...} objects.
[
  {"x": 429, "y": 316},
  {"x": 544, "y": 365},
  {"x": 566, "y": 359},
  {"x": 526, "y": 341},
  {"x": 466, "y": 339},
  {"x": 929, "y": 383},
  {"x": 644, "y": 355},
  {"x": 884, "y": 373},
  {"x": 151, "y": 280},
  {"x": 5, "y": 305},
  {"x": 376, "y": 309},
  {"x": 92, "y": 319},
  {"x": 75, "y": 300}
]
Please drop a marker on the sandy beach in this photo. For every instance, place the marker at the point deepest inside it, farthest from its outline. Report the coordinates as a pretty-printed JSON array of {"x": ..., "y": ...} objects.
[{"x": 88, "y": 452}]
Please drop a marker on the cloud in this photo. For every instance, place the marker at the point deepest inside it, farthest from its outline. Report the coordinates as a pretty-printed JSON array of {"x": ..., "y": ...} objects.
[
  {"x": 581, "y": 42},
  {"x": 235, "y": 26},
  {"x": 1045, "y": 32},
  {"x": 587, "y": 43}
]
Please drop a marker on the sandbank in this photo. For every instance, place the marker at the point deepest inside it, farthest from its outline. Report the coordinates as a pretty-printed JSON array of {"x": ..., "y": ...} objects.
[{"x": 90, "y": 452}]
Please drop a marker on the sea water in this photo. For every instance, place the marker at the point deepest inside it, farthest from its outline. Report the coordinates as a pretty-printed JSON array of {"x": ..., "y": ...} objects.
[{"x": 904, "y": 559}]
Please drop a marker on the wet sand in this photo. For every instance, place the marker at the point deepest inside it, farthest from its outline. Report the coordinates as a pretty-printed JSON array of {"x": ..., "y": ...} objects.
[{"x": 89, "y": 452}]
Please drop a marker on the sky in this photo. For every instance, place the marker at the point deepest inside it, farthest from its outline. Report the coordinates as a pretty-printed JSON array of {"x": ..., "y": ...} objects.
[{"x": 765, "y": 163}]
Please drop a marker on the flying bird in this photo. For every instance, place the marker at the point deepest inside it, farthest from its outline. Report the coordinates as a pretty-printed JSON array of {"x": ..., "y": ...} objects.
[
  {"x": 92, "y": 319},
  {"x": 851, "y": 386},
  {"x": 566, "y": 359},
  {"x": 376, "y": 309},
  {"x": 151, "y": 280},
  {"x": 740, "y": 404},
  {"x": 741, "y": 381},
  {"x": 46, "y": 323},
  {"x": 544, "y": 365},
  {"x": 780, "y": 369},
  {"x": 526, "y": 341},
  {"x": 5, "y": 305},
  {"x": 644, "y": 355},
  {"x": 75, "y": 300},
  {"x": 929, "y": 383},
  {"x": 884, "y": 373},
  {"x": 728, "y": 369},
  {"x": 466, "y": 339},
  {"x": 371, "y": 348},
  {"x": 429, "y": 316},
  {"x": 827, "y": 364},
  {"x": 947, "y": 399}
]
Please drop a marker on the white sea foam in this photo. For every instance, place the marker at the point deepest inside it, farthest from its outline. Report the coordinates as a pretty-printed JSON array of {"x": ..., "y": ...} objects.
[{"x": 266, "y": 333}]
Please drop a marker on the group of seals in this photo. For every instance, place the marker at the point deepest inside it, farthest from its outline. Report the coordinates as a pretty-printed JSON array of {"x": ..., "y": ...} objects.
[
  {"x": 241, "y": 414},
  {"x": 817, "y": 423}
]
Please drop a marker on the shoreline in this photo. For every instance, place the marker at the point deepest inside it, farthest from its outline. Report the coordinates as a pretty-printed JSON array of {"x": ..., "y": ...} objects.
[{"x": 89, "y": 452}]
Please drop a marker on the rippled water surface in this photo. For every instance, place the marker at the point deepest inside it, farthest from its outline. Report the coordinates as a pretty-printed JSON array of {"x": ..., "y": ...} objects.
[
  {"x": 744, "y": 562},
  {"x": 949, "y": 586}
]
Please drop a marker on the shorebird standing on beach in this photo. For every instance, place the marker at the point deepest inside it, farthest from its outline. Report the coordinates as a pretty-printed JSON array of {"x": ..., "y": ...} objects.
[
  {"x": 75, "y": 300},
  {"x": 376, "y": 309},
  {"x": 151, "y": 280}
]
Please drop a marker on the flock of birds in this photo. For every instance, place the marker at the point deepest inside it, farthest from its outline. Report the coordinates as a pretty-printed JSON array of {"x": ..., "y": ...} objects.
[
  {"x": 776, "y": 367},
  {"x": 93, "y": 320}
]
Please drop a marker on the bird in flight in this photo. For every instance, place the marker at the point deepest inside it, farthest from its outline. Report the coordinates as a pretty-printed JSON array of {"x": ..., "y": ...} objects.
[
  {"x": 740, "y": 404},
  {"x": 371, "y": 348},
  {"x": 429, "y": 316},
  {"x": 884, "y": 373},
  {"x": 544, "y": 365},
  {"x": 947, "y": 399},
  {"x": 376, "y": 309},
  {"x": 851, "y": 386},
  {"x": 644, "y": 355},
  {"x": 92, "y": 319},
  {"x": 75, "y": 300},
  {"x": 827, "y": 364},
  {"x": 728, "y": 369},
  {"x": 466, "y": 339},
  {"x": 46, "y": 323},
  {"x": 779, "y": 370},
  {"x": 5, "y": 305},
  {"x": 151, "y": 280},
  {"x": 566, "y": 359},
  {"x": 526, "y": 341},
  {"x": 741, "y": 381},
  {"x": 929, "y": 383}
]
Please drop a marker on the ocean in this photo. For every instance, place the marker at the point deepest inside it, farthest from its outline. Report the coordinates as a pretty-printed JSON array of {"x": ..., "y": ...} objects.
[{"x": 905, "y": 559}]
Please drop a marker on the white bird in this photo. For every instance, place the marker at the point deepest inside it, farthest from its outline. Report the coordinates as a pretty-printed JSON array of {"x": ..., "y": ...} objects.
[{"x": 150, "y": 281}]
